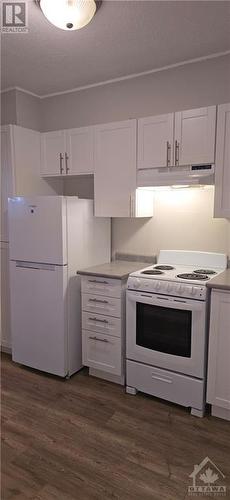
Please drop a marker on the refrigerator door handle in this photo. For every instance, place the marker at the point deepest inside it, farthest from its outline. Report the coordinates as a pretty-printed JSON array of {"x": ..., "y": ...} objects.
[{"x": 34, "y": 265}]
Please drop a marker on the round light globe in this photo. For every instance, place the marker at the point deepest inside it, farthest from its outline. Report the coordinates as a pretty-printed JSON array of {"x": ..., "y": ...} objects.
[{"x": 68, "y": 14}]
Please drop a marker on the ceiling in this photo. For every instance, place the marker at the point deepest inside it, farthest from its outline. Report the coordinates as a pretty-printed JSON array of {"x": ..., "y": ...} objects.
[{"x": 125, "y": 37}]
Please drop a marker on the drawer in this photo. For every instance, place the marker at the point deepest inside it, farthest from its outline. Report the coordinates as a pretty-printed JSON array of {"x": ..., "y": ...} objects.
[
  {"x": 101, "y": 286},
  {"x": 101, "y": 352},
  {"x": 101, "y": 324},
  {"x": 101, "y": 305},
  {"x": 179, "y": 389}
]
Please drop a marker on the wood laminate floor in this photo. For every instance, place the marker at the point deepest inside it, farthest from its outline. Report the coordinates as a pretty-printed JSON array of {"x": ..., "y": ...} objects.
[{"x": 86, "y": 439}]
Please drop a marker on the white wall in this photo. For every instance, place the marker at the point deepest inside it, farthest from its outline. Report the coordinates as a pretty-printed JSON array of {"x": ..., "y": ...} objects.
[
  {"x": 193, "y": 85},
  {"x": 21, "y": 108},
  {"x": 28, "y": 111},
  {"x": 180, "y": 224},
  {"x": 189, "y": 86},
  {"x": 8, "y": 108},
  {"x": 183, "y": 220}
]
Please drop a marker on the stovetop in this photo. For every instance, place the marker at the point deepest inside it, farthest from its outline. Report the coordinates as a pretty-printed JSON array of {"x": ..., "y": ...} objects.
[{"x": 181, "y": 273}]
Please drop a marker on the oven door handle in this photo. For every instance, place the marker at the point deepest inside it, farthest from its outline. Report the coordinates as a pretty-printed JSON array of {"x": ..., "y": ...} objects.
[{"x": 165, "y": 302}]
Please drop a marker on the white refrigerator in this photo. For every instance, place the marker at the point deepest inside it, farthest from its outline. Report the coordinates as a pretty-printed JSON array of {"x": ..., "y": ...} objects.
[{"x": 51, "y": 237}]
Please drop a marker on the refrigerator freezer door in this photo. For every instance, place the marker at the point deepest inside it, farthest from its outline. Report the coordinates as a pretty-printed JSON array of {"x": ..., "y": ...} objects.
[
  {"x": 37, "y": 229},
  {"x": 38, "y": 315}
]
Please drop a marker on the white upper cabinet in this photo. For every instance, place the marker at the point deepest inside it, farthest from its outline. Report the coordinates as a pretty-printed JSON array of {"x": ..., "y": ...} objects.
[
  {"x": 155, "y": 141},
  {"x": 195, "y": 136},
  {"x": 222, "y": 175},
  {"x": 80, "y": 150},
  {"x": 115, "y": 168},
  {"x": 53, "y": 151},
  {"x": 68, "y": 152},
  {"x": 176, "y": 139}
]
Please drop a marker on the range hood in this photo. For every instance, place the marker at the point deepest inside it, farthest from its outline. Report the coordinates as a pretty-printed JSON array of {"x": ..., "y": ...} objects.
[{"x": 172, "y": 176}]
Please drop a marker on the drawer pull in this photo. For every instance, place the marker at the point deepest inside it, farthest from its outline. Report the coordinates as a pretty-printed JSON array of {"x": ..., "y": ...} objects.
[
  {"x": 99, "y": 340},
  {"x": 97, "y": 281},
  {"x": 162, "y": 379},
  {"x": 97, "y": 300},
  {"x": 99, "y": 320}
]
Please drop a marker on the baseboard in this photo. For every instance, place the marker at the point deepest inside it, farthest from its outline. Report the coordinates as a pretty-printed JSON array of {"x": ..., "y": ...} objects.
[{"x": 220, "y": 412}]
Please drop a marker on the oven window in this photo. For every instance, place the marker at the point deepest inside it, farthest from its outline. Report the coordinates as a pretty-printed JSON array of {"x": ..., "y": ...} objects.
[{"x": 164, "y": 329}]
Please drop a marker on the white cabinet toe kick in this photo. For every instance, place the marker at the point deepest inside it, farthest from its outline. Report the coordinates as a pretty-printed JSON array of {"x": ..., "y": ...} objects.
[{"x": 180, "y": 389}]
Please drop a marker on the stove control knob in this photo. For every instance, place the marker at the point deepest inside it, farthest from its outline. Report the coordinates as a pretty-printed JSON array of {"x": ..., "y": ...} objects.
[
  {"x": 194, "y": 290},
  {"x": 169, "y": 287},
  {"x": 137, "y": 283},
  {"x": 158, "y": 285}
]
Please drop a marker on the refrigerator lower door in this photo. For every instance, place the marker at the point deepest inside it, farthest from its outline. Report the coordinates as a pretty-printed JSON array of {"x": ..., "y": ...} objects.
[{"x": 39, "y": 316}]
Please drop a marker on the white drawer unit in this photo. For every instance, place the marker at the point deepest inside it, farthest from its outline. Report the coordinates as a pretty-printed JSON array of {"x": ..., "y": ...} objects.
[
  {"x": 108, "y": 306},
  {"x": 102, "y": 324},
  {"x": 101, "y": 286},
  {"x": 102, "y": 352},
  {"x": 165, "y": 384}
]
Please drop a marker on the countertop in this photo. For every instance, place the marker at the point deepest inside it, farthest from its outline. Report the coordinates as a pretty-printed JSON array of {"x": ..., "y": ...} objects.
[
  {"x": 117, "y": 269},
  {"x": 221, "y": 282}
]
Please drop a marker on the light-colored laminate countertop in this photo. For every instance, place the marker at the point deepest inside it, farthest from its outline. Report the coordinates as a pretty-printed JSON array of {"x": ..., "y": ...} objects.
[
  {"x": 221, "y": 282},
  {"x": 117, "y": 269}
]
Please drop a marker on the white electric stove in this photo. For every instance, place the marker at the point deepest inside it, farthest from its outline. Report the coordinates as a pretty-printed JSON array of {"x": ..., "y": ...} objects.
[{"x": 167, "y": 306}]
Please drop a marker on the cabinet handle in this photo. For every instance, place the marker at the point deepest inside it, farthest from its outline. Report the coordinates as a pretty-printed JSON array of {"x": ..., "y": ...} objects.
[
  {"x": 168, "y": 154},
  {"x": 66, "y": 163},
  {"x": 162, "y": 379},
  {"x": 177, "y": 147},
  {"x": 61, "y": 158},
  {"x": 99, "y": 340},
  {"x": 97, "y": 300},
  {"x": 97, "y": 281},
  {"x": 99, "y": 320}
]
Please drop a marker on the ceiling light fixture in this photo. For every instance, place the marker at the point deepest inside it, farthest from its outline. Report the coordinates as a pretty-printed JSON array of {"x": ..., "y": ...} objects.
[{"x": 69, "y": 15}]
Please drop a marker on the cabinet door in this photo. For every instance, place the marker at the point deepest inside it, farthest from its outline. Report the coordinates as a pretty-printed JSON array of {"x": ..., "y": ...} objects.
[
  {"x": 155, "y": 141},
  {"x": 222, "y": 174},
  {"x": 27, "y": 163},
  {"x": 218, "y": 388},
  {"x": 5, "y": 298},
  {"x": 195, "y": 136},
  {"x": 115, "y": 168},
  {"x": 101, "y": 352},
  {"x": 7, "y": 179},
  {"x": 53, "y": 153},
  {"x": 80, "y": 151}
]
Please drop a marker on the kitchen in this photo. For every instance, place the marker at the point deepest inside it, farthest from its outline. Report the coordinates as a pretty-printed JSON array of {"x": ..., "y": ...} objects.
[{"x": 166, "y": 133}]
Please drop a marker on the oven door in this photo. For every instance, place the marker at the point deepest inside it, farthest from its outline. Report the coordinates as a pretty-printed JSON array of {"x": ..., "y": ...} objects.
[{"x": 168, "y": 332}]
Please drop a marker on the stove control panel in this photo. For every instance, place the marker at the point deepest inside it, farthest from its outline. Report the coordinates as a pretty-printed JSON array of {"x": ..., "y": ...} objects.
[{"x": 164, "y": 287}]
